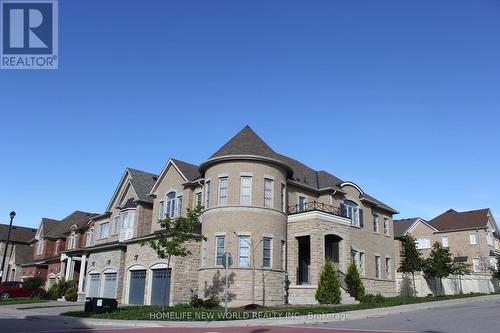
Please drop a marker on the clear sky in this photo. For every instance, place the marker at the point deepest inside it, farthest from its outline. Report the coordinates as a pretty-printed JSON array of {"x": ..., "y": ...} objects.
[{"x": 401, "y": 97}]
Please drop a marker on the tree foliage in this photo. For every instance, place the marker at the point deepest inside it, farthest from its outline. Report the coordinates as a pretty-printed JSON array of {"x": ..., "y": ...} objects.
[
  {"x": 411, "y": 258},
  {"x": 439, "y": 264},
  {"x": 353, "y": 280},
  {"x": 328, "y": 291}
]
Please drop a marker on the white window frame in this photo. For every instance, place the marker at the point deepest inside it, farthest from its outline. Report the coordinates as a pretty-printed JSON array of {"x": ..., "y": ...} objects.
[
  {"x": 223, "y": 191},
  {"x": 283, "y": 254},
  {"x": 476, "y": 268},
  {"x": 426, "y": 245},
  {"x": 376, "y": 224},
  {"x": 388, "y": 268},
  {"x": 204, "y": 252},
  {"x": 472, "y": 238},
  {"x": 268, "y": 192},
  {"x": 101, "y": 236},
  {"x": 178, "y": 206},
  {"x": 207, "y": 193},
  {"x": 244, "y": 242},
  {"x": 198, "y": 199},
  {"x": 378, "y": 267},
  {"x": 270, "y": 252},
  {"x": 301, "y": 203},
  {"x": 386, "y": 226},
  {"x": 161, "y": 210},
  {"x": 90, "y": 237},
  {"x": 223, "y": 237},
  {"x": 171, "y": 204},
  {"x": 445, "y": 241},
  {"x": 283, "y": 197},
  {"x": 246, "y": 199},
  {"x": 352, "y": 212}
]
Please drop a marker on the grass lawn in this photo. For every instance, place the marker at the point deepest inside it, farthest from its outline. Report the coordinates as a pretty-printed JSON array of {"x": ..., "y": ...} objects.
[
  {"x": 22, "y": 301},
  {"x": 185, "y": 312}
]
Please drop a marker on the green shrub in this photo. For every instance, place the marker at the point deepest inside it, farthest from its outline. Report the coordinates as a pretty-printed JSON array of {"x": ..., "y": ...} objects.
[
  {"x": 354, "y": 283},
  {"x": 33, "y": 283},
  {"x": 196, "y": 302},
  {"x": 211, "y": 303},
  {"x": 328, "y": 291},
  {"x": 376, "y": 299},
  {"x": 71, "y": 294}
]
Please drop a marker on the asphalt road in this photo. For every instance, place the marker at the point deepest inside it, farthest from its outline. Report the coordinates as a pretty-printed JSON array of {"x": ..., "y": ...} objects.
[{"x": 474, "y": 317}]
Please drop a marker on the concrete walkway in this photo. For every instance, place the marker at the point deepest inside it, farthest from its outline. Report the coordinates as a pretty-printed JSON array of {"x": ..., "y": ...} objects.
[{"x": 51, "y": 308}]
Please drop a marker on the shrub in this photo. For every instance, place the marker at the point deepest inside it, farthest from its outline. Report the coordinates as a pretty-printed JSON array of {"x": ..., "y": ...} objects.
[
  {"x": 354, "y": 283},
  {"x": 33, "y": 283},
  {"x": 59, "y": 289},
  {"x": 211, "y": 303},
  {"x": 71, "y": 294},
  {"x": 370, "y": 298},
  {"x": 196, "y": 302},
  {"x": 328, "y": 291}
]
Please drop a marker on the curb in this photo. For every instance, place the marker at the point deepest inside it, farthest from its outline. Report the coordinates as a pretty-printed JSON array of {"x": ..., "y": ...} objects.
[{"x": 312, "y": 319}]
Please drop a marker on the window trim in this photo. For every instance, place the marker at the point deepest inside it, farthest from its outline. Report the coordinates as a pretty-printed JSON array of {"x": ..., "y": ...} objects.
[
  {"x": 270, "y": 239},
  {"x": 100, "y": 230},
  {"x": 242, "y": 177},
  {"x": 388, "y": 268},
  {"x": 220, "y": 202},
  {"x": 376, "y": 222},
  {"x": 378, "y": 264},
  {"x": 247, "y": 244},
  {"x": 386, "y": 227},
  {"x": 207, "y": 189},
  {"x": 171, "y": 203},
  {"x": 447, "y": 241},
  {"x": 268, "y": 180},
  {"x": 223, "y": 237},
  {"x": 475, "y": 238},
  {"x": 426, "y": 239}
]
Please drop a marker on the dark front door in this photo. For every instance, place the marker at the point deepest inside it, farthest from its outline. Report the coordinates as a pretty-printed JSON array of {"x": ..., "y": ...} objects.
[
  {"x": 304, "y": 259},
  {"x": 160, "y": 286},
  {"x": 136, "y": 287},
  {"x": 332, "y": 248}
]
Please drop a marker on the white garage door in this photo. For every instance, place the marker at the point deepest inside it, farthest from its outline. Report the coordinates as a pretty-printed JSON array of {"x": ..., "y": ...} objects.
[{"x": 94, "y": 280}]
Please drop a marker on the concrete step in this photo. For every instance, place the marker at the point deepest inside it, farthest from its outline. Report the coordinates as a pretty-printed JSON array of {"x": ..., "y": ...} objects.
[{"x": 346, "y": 298}]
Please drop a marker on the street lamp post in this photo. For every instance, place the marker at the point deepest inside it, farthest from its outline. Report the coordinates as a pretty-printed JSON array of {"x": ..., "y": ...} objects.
[{"x": 12, "y": 215}]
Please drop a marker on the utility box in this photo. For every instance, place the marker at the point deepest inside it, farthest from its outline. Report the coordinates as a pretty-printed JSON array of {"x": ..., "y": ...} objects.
[{"x": 100, "y": 305}]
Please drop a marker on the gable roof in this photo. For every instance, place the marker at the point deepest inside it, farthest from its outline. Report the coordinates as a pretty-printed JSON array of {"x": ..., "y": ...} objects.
[
  {"x": 17, "y": 234},
  {"x": 141, "y": 182},
  {"x": 403, "y": 225},
  {"x": 189, "y": 172},
  {"x": 247, "y": 143},
  {"x": 453, "y": 220},
  {"x": 77, "y": 218}
]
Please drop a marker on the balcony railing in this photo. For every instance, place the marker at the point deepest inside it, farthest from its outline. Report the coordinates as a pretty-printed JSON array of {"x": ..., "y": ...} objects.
[{"x": 316, "y": 206}]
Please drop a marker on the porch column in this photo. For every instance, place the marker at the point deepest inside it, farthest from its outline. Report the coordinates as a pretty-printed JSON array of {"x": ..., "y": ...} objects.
[
  {"x": 82, "y": 273},
  {"x": 68, "y": 268}
]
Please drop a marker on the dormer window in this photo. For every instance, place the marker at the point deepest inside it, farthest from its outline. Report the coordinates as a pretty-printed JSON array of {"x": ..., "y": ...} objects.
[{"x": 72, "y": 241}]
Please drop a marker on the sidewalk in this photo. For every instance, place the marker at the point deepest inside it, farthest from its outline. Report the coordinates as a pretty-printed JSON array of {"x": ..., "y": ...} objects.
[
  {"x": 52, "y": 308},
  {"x": 313, "y": 319}
]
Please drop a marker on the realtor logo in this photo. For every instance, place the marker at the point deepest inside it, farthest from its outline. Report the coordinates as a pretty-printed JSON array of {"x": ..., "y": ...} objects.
[{"x": 29, "y": 34}]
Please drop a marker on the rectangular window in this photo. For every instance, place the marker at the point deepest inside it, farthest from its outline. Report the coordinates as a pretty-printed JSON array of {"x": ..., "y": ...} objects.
[
  {"x": 204, "y": 251},
  {"x": 219, "y": 241},
  {"x": 125, "y": 220},
  {"x": 362, "y": 263},
  {"x": 375, "y": 223},
  {"x": 246, "y": 190},
  {"x": 388, "y": 268},
  {"x": 283, "y": 255},
  {"x": 90, "y": 237},
  {"x": 444, "y": 240},
  {"x": 267, "y": 253},
  {"x": 244, "y": 251},
  {"x": 222, "y": 191},
  {"x": 171, "y": 205},
  {"x": 197, "y": 199},
  {"x": 423, "y": 243},
  {"x": 302, "y": 203},
  {"x": 207, "y": 194},
  {"x": 283, "y": 198},
  {"x": 115, "y": 228},
  {"x": 104, "y": 230},
  {"x": 472, "y": 239},
  {"x": 475, "y": 265},
  {"x": 161, "y": 210},
  {"x": 386, "y": 226},
  {"x": 377, "y": 267},
  {"x": 179, "y": 206},
  {"x": 268, "y": 192}
]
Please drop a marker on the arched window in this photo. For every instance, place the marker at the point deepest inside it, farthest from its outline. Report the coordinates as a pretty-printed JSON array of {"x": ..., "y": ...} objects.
[
  {"x": 171, "y": 204},
  {"x": 72, "y": 241},
  {"x": 90, "y": 237},
  {"x": 351, "y": 210}
]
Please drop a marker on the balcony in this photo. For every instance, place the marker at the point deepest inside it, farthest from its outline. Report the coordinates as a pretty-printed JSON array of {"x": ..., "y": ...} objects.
[{"x": 316, "y": 206}]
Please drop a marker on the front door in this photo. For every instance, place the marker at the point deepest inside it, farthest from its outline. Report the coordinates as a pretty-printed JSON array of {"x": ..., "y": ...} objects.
[
  {"x": 136, "y": 287},
  {"x": 160, "y": 287},
  {"x": 304, "y": 259}
]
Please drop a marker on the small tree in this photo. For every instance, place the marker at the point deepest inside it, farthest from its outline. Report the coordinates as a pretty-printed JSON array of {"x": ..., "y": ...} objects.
[
  {"x": 460, "y": 269},
  {"x": 495, "y": 270},
  {"x": 328, "y": 291},
  {"x": 354, "y": 283},
  {"x": 439, "y": 264},
  {"x": 411, "y": 258},
  {"x": 172, "y": 238}
]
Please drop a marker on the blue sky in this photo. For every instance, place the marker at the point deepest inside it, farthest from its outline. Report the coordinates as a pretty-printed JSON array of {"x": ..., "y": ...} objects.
[{"x": 401, "y": 97}]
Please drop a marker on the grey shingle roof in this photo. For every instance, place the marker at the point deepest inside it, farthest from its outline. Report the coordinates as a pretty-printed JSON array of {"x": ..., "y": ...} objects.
[
  {"x": 17, "y": 234},
  {"x": 190, "y": 171},
  {"x": 142, "y": 182},
  {"x": 401, "y": 226},
  {"x": 77, "y": 218},
  {"x": 247, "y": 142},
  {"x": 24, "y": 254}
]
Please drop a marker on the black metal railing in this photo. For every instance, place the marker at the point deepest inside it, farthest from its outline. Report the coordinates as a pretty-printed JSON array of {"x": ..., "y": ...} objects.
[{"x": 316, "y": 206}]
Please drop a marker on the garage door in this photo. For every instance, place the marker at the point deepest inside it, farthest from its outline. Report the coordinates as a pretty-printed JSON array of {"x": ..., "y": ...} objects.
[
  {"x": 160, "y": 285},
  {"x": 109, "y": 285},
  {"x": 93, "y": 285},
  {"x": 136, "y": 287}
]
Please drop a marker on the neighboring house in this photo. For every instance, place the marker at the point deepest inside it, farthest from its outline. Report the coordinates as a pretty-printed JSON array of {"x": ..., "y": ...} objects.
[
  {"x": 18, "y": 250},
  {"x": 47, "y": 246},
  {"x": 471, "y": 236},
  {"x": 100, "y": 244}
]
